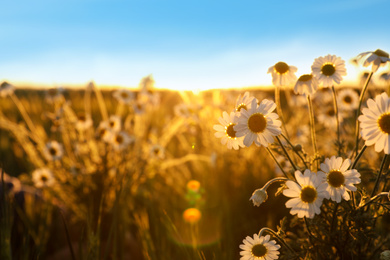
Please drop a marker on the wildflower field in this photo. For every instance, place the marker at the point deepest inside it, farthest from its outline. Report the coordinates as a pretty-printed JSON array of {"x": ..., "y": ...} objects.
[{"x": 300, "y": 171}]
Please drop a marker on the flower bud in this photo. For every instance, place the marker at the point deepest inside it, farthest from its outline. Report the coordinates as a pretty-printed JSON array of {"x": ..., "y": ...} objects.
[
  {"x": 385, "y": 255},
  {"x": 259, "y": 196}
]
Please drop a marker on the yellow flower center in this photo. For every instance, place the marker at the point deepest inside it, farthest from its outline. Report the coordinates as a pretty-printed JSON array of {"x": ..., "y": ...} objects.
[
  {"x": 257, "y": 123},
  {"x": 102, "y": 132},
  {"x": 381, "y": 53},
  {"x": 281, "y": 67},
  {"x": 305, "y": 77},
  {"x": 330, "y": 112},
  {"x": 44, "y": 178},
  {"x": 230, "y": 131},
  {"x": 347, "y": 99},
  {"x": 259, "y": 250},
  {"x": 82, "y": 118},
  {"x": 241, "y": 106},
  {"x": 124, "y": 95},
  {"x": 335, "y": 178},
  {"x": 119, "y": 139},
  {"x": 328, "y": 69},
  {"x": 308, "y": 194},
  {"x": 53, "y": 151},
  {"x": 156, "y": 150},
  {"x": 384, "y": 123}
]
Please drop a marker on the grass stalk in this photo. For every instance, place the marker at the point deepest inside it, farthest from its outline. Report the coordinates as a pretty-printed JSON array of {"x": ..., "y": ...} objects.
[
  {"x": 336, "y": 111},
  {"x": 358, "y": 111},
  {"x": 313, "y": 130}
]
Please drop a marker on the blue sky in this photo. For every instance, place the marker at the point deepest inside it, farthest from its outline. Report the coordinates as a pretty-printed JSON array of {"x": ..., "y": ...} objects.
[{"x": 183, "y": 44}]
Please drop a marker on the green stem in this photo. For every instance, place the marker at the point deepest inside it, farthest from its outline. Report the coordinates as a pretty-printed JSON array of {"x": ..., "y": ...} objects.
[
  {"x": 273, "y": 157},
  {"x": 313, "y": 130},
  {"x": 336, "y": 111},
  {"x": 358, "y": 110}
]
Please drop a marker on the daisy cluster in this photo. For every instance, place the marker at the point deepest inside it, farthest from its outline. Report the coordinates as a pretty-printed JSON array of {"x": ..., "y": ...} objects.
[
  {"x": 308, "y": 184},
  {"x": 96, "y": 152}
]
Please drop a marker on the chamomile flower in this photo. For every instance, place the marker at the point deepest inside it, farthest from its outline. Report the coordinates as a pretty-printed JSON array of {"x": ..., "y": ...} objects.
[
  {"x": 327, "y": 117},
  {"x": 139, "y": 107},
  {"x": 244, "y": 102},
  {"x": 53, "y": 151},
  {"x": 156, "y": 151},
  {"x": 6, "y": 89},
  {"x": 121, "y": 140},
  {"x": 187, "y": 110},
  {"x": 340, "y": 180},
  {"x": 259, "y": 248},
  {"x": 384, "y": 79},
  {"x": 258, "y": 124},
  {"x": 124, "y": 96},
  {"x": 43, "y": 178},
  {"x": 306, "y": 85},
  {"x": 282, "y": 74},
  {"x": 83, "y": 122},
  {"x": 307, "y": 193},
  {"x": 103, "y": 132},
  {"x": 225, "y": 131},
  {"x": 377, "y": 58},
  {"x": 375, "y": 123},
  {"x": 329, "y": 70},
  {"x": 347, "y": 99},
  {"x": 114, "y": 123}
]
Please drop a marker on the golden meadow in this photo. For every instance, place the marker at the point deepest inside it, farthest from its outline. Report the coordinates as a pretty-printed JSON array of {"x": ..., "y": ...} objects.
[{"x": 148, "y": 174}]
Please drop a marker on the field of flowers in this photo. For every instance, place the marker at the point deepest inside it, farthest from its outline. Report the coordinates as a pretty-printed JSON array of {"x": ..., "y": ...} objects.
[{"x": 296, "y": 172}]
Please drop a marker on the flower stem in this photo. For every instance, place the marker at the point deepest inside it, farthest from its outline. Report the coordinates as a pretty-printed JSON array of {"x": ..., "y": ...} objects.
[
  {"x": 313, "y": 130},
  {"x": 265, "y": 187},
  {"x": 358, "y": 157},
  {"x": 334, "y": 217},
  {"x": 279, "y": 108},
  {"x": 23, "y": 112},
  {"x": 273, "y": 157},
  {"x": 292, "y": 148},
  {"x": 285, "y": 151},
  {"x": 374, "y": 198},
  {"x": 384, "y": 161},
  {"x": 358, "y": 110},
  {"x": 336, "y": 111},
  {"x": 277, "y": 236}
]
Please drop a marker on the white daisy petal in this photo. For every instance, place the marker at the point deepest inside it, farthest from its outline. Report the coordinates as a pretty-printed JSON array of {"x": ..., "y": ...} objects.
[{"x": 270, "y": 248}]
